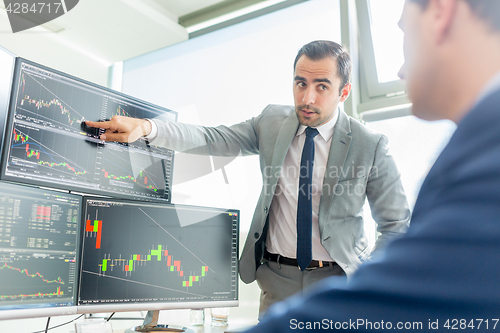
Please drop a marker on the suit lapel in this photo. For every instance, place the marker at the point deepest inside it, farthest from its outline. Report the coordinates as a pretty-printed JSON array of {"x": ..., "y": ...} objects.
[
  {"x": 286, "y": 134},
  {"x": 339, "y": 147}
]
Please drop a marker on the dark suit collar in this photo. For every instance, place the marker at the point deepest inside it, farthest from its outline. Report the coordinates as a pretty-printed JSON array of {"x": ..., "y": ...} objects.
[
  {"x": 475, "y": 134},
  {"x": 481, "y": 115},
  {"x": 490, "y": 88}
]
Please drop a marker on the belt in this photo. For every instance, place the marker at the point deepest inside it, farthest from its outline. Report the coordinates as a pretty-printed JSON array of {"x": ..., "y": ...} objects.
[{"x": 293, "y": 262}]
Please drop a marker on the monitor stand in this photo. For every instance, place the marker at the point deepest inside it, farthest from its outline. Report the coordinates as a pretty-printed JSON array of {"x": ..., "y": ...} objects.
[{"x": 151, "y": 325}]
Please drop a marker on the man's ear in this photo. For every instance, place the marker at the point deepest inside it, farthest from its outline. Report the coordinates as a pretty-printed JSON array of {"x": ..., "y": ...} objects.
[
  {"x": 344, "y": 93},
  {"x": 443, "y": 14}
]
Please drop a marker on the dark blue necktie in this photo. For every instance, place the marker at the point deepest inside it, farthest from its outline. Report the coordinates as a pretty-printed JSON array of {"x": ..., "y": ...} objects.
[{"x": 304, "y": 207}]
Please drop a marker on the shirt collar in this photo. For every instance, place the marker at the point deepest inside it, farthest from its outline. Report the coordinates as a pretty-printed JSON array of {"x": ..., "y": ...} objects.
[{"x": 325, "y": 130}]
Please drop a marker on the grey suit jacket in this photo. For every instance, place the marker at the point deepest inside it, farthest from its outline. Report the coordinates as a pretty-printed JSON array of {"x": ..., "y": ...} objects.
[{"x": 358, "y": 167}]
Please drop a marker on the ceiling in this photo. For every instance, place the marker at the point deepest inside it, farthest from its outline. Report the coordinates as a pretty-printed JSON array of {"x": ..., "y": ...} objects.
[
  {"x": 95, "y": 34},
  {"x": 112, "y": 30}
]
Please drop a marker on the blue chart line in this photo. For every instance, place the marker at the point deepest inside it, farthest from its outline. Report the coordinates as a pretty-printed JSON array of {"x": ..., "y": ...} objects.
[
  {"x": 34, "y": 144},
  {"x": 77, "y": 171}
]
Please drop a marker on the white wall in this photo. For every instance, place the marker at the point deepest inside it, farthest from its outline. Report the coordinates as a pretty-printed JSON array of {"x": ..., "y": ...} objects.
[
  {"x": 226, "y": 77},
  {"x": 51, "y": 50}
]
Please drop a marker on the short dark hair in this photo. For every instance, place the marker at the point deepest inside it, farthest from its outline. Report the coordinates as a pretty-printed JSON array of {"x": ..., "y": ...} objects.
[
  {"x": 320, "y": 49},
  {"x": 488, "y": 10}
]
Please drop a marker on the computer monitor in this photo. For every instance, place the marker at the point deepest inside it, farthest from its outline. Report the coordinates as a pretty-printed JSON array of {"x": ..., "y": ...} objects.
[
  {"x": 39, "y": 250},
  {"x": 46, "y": 142},
  {"x": 150, "y": 256},
  {"x": 7, "y": 61}
]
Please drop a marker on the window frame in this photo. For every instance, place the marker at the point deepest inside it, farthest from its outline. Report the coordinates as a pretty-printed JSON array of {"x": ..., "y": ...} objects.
[{"x": 370, "y": 86}]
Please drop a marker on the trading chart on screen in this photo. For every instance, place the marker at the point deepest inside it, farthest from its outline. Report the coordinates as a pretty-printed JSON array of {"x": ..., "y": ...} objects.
[
  {"x": 39, "y": 241},
  {"x": 49, "y": 144},
  {"x": 140, "y": 252}
]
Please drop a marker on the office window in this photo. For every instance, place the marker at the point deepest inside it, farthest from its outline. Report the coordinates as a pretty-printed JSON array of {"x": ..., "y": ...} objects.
[
  {"x": 415, "y": 145},
  {"x": 387, "y": 38},
  {"x": 382, "y": 46}
]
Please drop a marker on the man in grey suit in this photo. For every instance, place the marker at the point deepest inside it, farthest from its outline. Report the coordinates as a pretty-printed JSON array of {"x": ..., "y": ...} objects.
[{"x": 318, "y": 167}]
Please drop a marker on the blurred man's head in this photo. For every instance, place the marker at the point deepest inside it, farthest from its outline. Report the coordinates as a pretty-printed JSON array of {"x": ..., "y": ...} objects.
[
  {"x": 487, "y": 10},
  {"x": 451, "y": 50}
]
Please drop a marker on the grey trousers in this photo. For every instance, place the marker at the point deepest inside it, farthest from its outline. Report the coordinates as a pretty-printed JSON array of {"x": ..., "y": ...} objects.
[{"x": 279, "y": 281}]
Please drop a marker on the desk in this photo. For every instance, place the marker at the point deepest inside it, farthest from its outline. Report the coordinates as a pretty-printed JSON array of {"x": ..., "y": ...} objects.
[
  {"x": 207, "y": 328},
  {"x": 237, "y": 319}
]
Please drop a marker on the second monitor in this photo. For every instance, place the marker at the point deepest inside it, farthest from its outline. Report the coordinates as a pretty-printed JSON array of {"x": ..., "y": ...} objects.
[
  {"x": 39, "y": 242},
  {"x": 147, "y": 256}
]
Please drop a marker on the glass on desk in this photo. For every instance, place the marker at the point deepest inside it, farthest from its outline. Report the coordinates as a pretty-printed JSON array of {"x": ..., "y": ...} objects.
[
  {"x": 197, "y": 317},
  {"x": 219, "y": 316}
]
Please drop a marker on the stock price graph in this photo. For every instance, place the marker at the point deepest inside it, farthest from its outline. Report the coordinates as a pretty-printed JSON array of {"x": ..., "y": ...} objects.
[
  {"x": 39, "y": 238},
  {"x": 51, "y": 146},
  {"x": 127, "y": 108},
  {"x": 123, "y": 169},
  {"x": 32, "y": 278},
  {"x": 46, "y": 101},
  {"x": 43, "y": 154},
  {"x": 147, "y": 253}
]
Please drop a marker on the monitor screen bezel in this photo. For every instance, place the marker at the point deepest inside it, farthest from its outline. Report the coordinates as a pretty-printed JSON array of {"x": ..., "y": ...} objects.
[
  {"x": 42, "y": 310},
  {"x": 149, "y": 306},
  {"x": 9, "y": 125}
]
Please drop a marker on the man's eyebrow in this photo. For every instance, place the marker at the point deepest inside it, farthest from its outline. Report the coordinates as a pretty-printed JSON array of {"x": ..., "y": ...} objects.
[{"x": 325, "y": 80}]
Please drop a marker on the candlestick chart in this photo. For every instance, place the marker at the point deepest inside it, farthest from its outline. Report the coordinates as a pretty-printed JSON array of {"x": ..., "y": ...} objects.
[
  {"x": 50, "y": 145},
  {"x": 151, "y": 252},
  {"x": 42, "y": 154}
]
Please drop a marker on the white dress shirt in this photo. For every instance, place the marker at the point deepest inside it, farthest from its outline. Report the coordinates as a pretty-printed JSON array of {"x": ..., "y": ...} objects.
[{"x": 282, "y": 232}]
